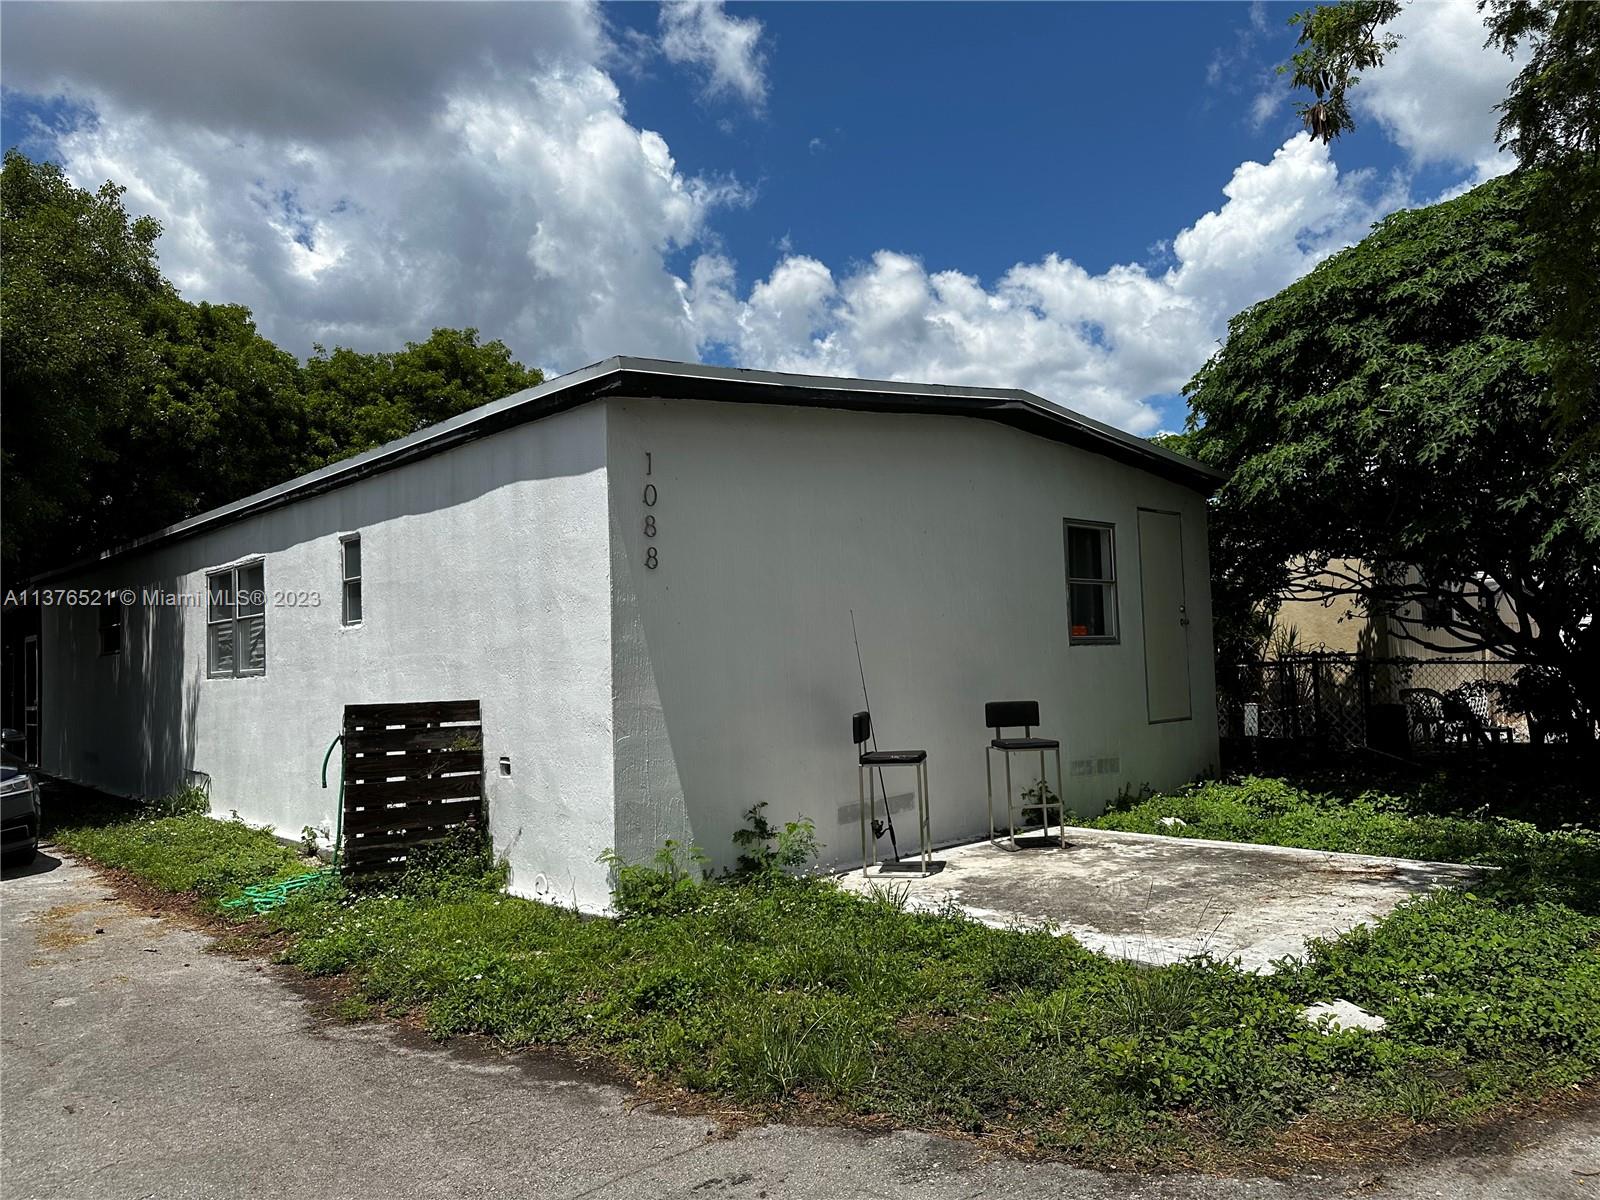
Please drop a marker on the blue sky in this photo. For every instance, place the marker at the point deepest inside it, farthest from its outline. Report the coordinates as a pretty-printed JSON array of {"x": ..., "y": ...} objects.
[
  {"x": 977, "y": 134},
  {"x": 1071, "y": 198}
]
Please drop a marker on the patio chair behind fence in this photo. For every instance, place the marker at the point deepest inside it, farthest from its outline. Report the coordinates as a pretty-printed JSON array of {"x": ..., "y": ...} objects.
[{"x": 1336, "y": 701}]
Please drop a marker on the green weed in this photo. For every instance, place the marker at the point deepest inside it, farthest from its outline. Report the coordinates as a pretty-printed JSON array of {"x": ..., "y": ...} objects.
[{"x": 783, "y": 991}]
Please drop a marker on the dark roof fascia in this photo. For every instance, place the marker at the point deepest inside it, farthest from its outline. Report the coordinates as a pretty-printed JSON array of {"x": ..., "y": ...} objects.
[
  {"x": 1008, "y": 406},
  {"x": 660, "y": 379}
]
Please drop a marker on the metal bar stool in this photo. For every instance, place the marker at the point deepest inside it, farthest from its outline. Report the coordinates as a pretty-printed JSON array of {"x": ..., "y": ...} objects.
[
  {"x": 866, "y": 760},
  {"x": 1000, "y": 715}
]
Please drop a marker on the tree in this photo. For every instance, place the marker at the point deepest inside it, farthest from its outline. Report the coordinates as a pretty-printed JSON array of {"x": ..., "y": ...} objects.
[
  {"x": 357, "y": 401},
  {"x": 1550, "y": 119},
  {"x": 128, "y": 408},
  {"x": 1337, "y": 42},
  {"x": 1394, "y": 407},
  {"x": 221, "y": 416},
  {"x": 78, "y": 274}
]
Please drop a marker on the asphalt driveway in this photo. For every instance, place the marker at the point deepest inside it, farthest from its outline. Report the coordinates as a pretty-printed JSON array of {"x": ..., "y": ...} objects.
[{"x": 138, "y": 1064}]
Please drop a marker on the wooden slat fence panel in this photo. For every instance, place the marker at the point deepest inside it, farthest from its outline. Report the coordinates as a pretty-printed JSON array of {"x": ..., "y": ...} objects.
[{"x": 413, "y": 775}]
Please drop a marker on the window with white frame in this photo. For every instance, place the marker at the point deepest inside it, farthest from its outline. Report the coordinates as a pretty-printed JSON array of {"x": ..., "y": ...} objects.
[
  {"x": 111, "y": 626},
  {"x": 236, "y": 621},
  {"x": 1091, "y": 582},
  {"x": 350, "y": 574}
]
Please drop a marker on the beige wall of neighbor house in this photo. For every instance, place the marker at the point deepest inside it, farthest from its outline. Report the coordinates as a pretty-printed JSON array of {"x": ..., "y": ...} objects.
[
  {"x": 736, "y": 671},
  {"x": 1339, "y": 624}
]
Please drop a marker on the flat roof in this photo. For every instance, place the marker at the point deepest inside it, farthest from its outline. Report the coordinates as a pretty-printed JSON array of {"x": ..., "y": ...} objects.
[{"x": 652, "y": 378}]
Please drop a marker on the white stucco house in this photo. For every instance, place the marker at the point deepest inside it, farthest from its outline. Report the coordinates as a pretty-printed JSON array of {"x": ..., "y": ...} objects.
[{"x": 645, "y": 572}]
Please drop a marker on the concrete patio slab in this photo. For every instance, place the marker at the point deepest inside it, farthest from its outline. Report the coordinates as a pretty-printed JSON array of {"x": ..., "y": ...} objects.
[{"x": 1161, "y": 899}]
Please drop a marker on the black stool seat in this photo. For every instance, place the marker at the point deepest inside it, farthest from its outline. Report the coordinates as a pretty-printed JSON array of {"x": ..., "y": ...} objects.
[
  {"x": 1028, "y": 743},
  {"x": 885, "y": 757}
]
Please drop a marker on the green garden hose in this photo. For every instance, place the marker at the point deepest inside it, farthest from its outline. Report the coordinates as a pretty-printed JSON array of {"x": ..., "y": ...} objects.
[
  {"x": 338, "y": 813},
  {"x": 264, "y": 897}
]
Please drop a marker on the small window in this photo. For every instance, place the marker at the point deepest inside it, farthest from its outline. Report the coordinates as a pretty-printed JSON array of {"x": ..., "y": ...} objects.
[
  {"x": 236, "y": 621},
  {"x": 1091, "y": 583},
  {"x": 111, "y": 626},
  {"x": 350, "y": 572}
]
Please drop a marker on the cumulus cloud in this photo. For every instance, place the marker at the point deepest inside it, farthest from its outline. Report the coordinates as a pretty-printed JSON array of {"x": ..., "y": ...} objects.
[
  {"x": 497, "y": 183},
  {"x": 359, "y": 174},
  {"x": 726, "y": 51},
  {"x": 1435, "y": 94},
  {"x": 1103, "y": 344},
  {"x": 317, "y": 71}
]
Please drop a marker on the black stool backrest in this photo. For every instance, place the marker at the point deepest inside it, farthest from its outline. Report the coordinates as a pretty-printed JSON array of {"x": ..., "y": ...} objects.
[
  {"x": 860, "y": 728},
  {"x": 1008, "y": 714}
]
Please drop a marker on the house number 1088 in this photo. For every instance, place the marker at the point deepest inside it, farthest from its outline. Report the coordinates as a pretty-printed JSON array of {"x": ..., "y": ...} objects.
[{"x": 652, "y": 557}]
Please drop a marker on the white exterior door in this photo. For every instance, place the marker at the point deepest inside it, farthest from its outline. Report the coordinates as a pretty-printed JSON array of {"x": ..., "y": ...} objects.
[{"x": 1166, "y": 615}]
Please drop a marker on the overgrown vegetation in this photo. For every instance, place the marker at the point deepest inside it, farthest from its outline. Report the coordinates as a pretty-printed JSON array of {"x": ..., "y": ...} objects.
[
  {"x": 185, "y": 802},
  {"x": 765, "y": 848},
  {"x": 188, "y": 853},
  {"x": 1561, "y": 864},
  {"x": 785, "y": 992}
]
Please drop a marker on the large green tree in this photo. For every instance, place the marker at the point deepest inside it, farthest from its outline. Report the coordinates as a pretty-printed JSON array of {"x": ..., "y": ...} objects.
[
  {"x": 1394, "y": 407},
  {"x": 221, "y": 415},
  {"x": 128, "y": 408},
  {"x": 357, "y": 401},
  {"x": 1550, "y": 121},
  {"x": 78, "y": 274}
]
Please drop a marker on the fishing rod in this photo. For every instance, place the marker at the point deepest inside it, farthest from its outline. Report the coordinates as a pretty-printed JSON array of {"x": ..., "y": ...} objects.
[{"x": 878, "y": 827}]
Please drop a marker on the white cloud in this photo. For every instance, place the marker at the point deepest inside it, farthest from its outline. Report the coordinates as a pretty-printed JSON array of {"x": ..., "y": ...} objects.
[
  {"x": 500, "y": 183},
  {"x": 1265, "y": 106},
  {"x": 1435, "y": 94},
  {"x": 1101, "y": 343},
  {"x": 318, "y": 72},
  {"x": 512, "y": 195},
  {"x": 725, "y": 50}
]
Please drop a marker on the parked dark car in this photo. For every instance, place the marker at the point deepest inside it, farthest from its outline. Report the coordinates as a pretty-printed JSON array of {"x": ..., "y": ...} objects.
[{"x": 19, "y": 805}]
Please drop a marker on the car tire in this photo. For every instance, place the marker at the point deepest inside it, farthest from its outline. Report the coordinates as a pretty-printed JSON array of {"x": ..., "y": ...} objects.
[{"x": 19, "y": 858}]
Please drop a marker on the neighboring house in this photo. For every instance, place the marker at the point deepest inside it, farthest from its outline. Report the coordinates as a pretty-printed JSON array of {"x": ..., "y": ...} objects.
[
  {"x": 646, "y": 571},
  {"x": 1339, "y": 624},
  {"x": 1411, "y": 656}
]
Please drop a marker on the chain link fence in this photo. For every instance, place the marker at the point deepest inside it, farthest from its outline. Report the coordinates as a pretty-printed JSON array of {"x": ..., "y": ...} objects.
[{"x": 1329, "y": 700}]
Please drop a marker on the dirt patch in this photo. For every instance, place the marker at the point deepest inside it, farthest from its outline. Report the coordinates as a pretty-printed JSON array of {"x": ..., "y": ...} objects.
[{"x": 55, "y": 930}]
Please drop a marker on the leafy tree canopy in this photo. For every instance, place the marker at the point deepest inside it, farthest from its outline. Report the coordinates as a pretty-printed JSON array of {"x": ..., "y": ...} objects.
[
  {"x": 1394, "y": 407},
  {"x": 1550, "y": 119},
  {"x": 128, "y": 408},
  {"x": 78, "y": 274},
  {"x": 357, "y": 401}
]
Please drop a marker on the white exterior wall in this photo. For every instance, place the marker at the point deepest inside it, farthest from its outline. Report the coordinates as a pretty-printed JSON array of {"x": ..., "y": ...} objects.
[
  {"x": 735, "y": 670},
  {"x": 638, "y": 704},
  {"x": 485, "y": 576}
]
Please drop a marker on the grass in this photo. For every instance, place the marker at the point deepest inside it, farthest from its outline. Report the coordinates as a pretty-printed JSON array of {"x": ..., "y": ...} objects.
[
  {"x": 1560, "y": 863},
  {"x": 783, "y": 993},
  {"x": 192, "y": 853}
]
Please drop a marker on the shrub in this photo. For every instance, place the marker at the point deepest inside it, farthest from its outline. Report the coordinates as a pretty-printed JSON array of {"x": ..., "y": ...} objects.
[
  {"x": 187, "y": 801},
  {"x": 766, "y": 850},
  {"x": 668, "y": 883}
]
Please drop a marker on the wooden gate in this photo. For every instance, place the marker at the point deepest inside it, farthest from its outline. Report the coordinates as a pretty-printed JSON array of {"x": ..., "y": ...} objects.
[{"x": 413, "y": 774}]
